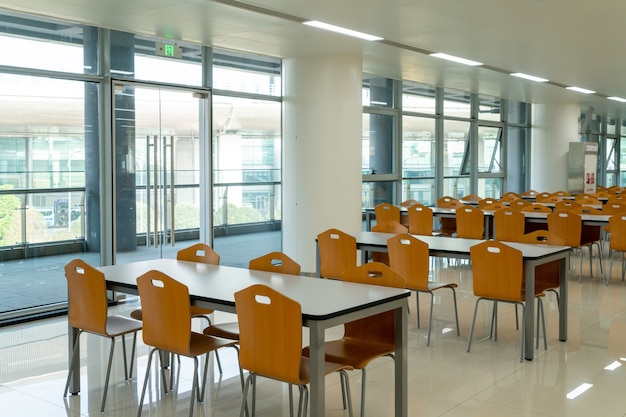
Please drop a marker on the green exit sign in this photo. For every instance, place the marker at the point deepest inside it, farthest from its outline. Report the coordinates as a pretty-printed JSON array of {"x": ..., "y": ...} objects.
[{"x": 169, "y": 50}]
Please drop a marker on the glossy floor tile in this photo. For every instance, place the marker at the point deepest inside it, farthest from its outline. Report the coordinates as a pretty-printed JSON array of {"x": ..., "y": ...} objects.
[{"x": 444, "y": 380}]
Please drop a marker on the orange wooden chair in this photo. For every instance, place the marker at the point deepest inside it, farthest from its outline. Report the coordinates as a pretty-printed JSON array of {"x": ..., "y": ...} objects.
[
  {"x": 617, "y": 224},
  {"x": 385, "y": 212},
  {"x": 420, "y": 220},
  {"x": 389, "y": 226},
  {"x": 408, "y": 203},
  {"x": 409, "y": 257},
  {"x": 511, "y": 195},
  {"x": 530, "y": 193},
  {"x": 167, "y": 328},
  {"x": 487, "y": 202},
  {"x": 448, "y": 224},
  {"x": 566, "y": 205},
  {"x": 536, "y": 207},
  {"x": 568, "y": 226},
  {"x": 88, "y": 304},
  {"x": 497, "y": 271},
  {"x": 508, "y": 224},
  {"x": 371, "y": 337},
  {"x": 271, "y": 344},
  {"x": 470, "y": 223},
  {"x": 337, "y": 252},
  {"x": 270, "y": 262},
  {"x": 519, "y": 204},
  {"x": 471, "y": 198}
]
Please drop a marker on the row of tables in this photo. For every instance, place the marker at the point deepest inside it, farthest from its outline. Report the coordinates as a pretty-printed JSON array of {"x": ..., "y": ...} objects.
[{"x": 328, "y": 303}]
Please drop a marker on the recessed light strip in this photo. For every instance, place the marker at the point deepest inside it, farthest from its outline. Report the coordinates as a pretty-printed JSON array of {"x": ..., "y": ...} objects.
[
  {"x": 343, "y": 31},
  {"x": 581, "y": 90},
  {"x": 620, "y": 99},
  {"x": 456, "y": 59},
  {"x": 529, "y": 77}
]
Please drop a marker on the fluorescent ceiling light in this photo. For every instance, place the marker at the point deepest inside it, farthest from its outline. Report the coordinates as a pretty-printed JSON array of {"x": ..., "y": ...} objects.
[
  {"x": 456, "y": 59},
  {"x": 529, "y": 77},
  {"x": 581, "y": 90},
  {"x": 621, "y": 100},
  {"x": 343, "y": 31},
  {"x": 579, "y": 390},
  {"x": 613, "y": 366}
]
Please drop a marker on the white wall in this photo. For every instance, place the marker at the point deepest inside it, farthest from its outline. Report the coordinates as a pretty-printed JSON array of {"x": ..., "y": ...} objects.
[
  {"x": 554, "y": 127},
  {"x": 321, "y": 151}
]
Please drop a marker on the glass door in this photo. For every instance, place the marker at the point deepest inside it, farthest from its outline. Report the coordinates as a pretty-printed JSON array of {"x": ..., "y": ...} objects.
[{"x": 160, "y": 170}]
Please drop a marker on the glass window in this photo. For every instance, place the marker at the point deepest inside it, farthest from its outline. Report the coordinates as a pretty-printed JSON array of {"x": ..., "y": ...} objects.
[
  {"x": 490, "y": 187},
  {"x": 489, "y": 108},
  {"x": 611, "y": 125},
  {"x": 246, "y": 160},
  {"x": 376, "y": 192},
  {"x": 246, "y": 73},
  {"x": 418, "y": 147},
  {"x": 50, "y": 45},
  {"x": 378, "y": 92},
  {"x": 489, "y": 149},
  {"x": 378, "y": 134},
  {"x": 418, "y": 98},
  {"x": 456, "y": 156},
  {"x": 456, "y": 103}
]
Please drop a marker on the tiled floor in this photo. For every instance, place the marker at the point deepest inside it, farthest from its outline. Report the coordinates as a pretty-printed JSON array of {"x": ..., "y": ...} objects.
[{"x": 444, "y": 380}]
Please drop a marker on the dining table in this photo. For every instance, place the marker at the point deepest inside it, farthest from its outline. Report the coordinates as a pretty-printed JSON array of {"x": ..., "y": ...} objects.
[
  {"x": 533, "y": 256},
  {"x": 325, "y": 303}
]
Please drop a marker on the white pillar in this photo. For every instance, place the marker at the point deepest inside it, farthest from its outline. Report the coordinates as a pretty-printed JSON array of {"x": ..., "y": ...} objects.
[
  {"x": 321, "y": 151},
  {"x": 554, "y": 127}
]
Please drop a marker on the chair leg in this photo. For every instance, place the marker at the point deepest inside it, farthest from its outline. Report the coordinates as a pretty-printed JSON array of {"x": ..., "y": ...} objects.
[
  {"x": 244, "y": 400},
  {"x": 363, "y": 379},
  {"x": 145, "y": 382},
  {"x": 521, "y": 359},
  {"x": 108, "y": 375},
  {"x": 125, "y": 359},
  {"x": 417, "y": 306},
  {"x": 469, "y": 339},
  {"x": 608, "y": 277},
  {"x": 541, "y": 320},
  {"x": 132, "y": 355},
  {"x": 430, "y": 317},
  {"x": 456, "y": 312},
  {"x": 305, "y": 400},
  {"x": 345, "y": 382},
  {"x": 73, "y": 361},
  {"x": 194, "y": 386}
]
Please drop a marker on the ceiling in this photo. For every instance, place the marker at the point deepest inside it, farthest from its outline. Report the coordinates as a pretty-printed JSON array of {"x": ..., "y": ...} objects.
[{"x": 569, "y": 42}]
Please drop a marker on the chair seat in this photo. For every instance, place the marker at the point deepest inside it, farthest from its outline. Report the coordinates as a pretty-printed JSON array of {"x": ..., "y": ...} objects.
[
  {"x": 329, "y": 368},
  {"x": 200, "y": 344},
  {"x": 119, "y": 325},
  {"x": 223, "y": 330},
  {"x": 354, "y": 352},
  {"x": 195, "y": 312},
  {"x": 434, "y": 285}
]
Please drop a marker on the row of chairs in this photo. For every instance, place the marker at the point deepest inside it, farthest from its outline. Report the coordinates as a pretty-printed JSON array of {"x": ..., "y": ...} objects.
[{"x": 165, "y": 320}]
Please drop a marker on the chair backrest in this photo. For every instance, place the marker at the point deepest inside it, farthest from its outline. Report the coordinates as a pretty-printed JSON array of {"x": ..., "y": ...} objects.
[
  {"x": 535, "y": 207},
  {"x": 548, "y": 199},
  {"x": 166, "y": 312},
  {"x": 275, "y": 262},
  {"x": 270, "y": 333},
  {"x": 408, "y": 203},
  {"x": 566, "y": 205},
  {"x": 337, "y": 253},
  {"x": 587, "y": 210},
  {"x": 420, "y": 220},
  {"x": 408, "y": 256},
  {"x": 497, "y": 271},
  {"x": 509, "y": 224},
  {"x": 493, "y": 207},
  {"x": 87, "y": 297},
  {"x": 530, "y": 193},
  {"x": 561, "y": 193},
  {"x": 449, "y": 202},
  {"x": 385, "y": 212},
  {"x": 614, "y": 207},
  {"x": 487, "y": 202},
  {"x": 200, "y": 252},
  {"x": 511, "y": 194},
  {"x": 471, "y": 197},
  {"x": 584, "y": 196},
  {"x": 390, "y": 226},
  {"x": 542, "y": 237},
  {"x": 379, "y": 327},
  {"x": 519, "y": 204},
  {"x": 617, "y": 224},
  {"x": 566, "y": 225},
  {"x": 470, "y": 222}
]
